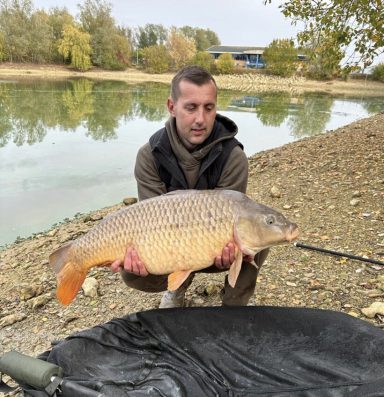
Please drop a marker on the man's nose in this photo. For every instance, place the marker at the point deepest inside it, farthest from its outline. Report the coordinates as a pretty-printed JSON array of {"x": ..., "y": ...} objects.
[{"x": 199, "y": 116}]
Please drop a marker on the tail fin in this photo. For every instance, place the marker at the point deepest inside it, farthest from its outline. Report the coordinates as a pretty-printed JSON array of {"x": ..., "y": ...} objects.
[{"x": 70, "y": 275}]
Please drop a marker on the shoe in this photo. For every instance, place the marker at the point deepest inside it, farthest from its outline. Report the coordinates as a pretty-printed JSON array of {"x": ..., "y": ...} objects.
[
  {"x": 176, "y": 298},
  {"x": 172, "y": 299}
]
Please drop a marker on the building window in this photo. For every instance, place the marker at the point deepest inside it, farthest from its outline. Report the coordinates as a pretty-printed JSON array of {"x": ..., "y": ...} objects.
[{"x": 239, "y": 57}]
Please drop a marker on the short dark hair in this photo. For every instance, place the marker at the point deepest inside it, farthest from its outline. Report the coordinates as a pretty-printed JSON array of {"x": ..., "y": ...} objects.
[{"x": 194, "y": 74}]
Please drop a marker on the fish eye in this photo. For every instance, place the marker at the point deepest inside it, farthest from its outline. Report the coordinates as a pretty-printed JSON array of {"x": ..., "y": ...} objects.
[{"x": 270, "y": 220}]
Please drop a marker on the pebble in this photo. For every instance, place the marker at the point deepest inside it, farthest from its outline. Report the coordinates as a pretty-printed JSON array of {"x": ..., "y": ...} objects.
[
  {"x": 52, "y": 233},
  {"x": 90, "y": 287},
  {"x": 356, "y": 193},
  {"x": 275, "y": 192},
  {"x": 129, "y": 200},
  {"x": 375, "y": 308},
  {"x": 39, "y": 301},
  {"x": 96, "y": 217},
  {"x": 29, "y": 291},
  {"x": 354, "y": 202},
  {"x": 353, "y": 313},
  {"x": 198, "y": 301},
  {"x": 12, "y": 319},
  {"x": 212, "y": 289}
]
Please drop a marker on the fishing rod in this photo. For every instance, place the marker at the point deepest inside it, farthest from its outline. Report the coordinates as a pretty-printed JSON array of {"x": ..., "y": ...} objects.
[{"x": 337, "y": 253}]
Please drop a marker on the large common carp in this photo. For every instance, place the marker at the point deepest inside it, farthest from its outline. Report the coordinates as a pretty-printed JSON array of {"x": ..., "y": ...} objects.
[{"x": 176, "y": 234}]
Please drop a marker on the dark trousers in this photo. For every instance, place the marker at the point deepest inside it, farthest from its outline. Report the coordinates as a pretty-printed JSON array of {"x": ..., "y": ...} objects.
[{"x": 237, "y": 296}]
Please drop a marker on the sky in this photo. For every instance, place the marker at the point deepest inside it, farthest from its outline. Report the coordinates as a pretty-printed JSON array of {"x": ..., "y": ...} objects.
[{"x": 240, "y": 22}]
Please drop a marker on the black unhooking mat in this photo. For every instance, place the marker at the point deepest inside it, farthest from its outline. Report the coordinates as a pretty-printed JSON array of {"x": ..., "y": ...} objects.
[{"x": 219, "y": 351}]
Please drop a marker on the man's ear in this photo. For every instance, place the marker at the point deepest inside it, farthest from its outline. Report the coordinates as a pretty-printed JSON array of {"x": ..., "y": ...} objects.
[{"x": 171, "y": 106}]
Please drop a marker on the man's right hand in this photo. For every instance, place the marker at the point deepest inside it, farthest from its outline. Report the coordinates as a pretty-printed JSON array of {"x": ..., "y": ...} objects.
[{"x": 131, "y": 264}]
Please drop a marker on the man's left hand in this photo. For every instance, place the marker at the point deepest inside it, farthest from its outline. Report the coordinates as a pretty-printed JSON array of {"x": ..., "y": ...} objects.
[{"x": 227, "y": 257}]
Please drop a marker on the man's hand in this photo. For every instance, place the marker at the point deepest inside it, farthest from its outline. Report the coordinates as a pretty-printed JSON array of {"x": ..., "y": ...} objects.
[
  {"x": 227, "y": 257},
  {"x": 131, "y": 264}
]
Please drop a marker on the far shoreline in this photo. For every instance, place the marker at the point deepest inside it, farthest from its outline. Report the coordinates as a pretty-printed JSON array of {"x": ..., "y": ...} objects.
[{"x": 238, "y": 82}]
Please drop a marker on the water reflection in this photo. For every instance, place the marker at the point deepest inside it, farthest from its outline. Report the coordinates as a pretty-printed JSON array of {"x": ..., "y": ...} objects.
[
  {"x": 273, "y": 108},
  {"x": 310, "y": 115},
  {"x": 307, "y": 114},
  {"x": 29, "y": 108}
]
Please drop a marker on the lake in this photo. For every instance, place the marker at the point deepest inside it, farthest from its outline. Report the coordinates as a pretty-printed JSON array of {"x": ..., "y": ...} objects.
[{"x": 69, "y": 146}]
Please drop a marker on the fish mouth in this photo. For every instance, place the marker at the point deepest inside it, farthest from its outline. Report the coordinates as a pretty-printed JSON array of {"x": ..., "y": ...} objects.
[{"x": 293, "y": 233}]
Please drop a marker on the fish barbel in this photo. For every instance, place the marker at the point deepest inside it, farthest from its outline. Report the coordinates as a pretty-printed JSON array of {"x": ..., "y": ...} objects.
[{"x": 173, "y": 234}]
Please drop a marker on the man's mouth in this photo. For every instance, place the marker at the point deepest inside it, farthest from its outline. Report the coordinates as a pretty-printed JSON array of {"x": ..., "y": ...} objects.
[{"x": 198, "y": 131}]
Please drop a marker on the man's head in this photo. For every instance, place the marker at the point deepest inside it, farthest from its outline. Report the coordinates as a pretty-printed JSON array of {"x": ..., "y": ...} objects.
[{"x": 193, "y": 104}]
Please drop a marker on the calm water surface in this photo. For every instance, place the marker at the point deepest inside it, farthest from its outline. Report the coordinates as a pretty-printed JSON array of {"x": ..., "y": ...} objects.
[{"x": 70, "y": 147}]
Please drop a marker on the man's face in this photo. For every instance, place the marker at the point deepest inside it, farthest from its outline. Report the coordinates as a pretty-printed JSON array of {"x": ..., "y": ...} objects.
[{"x": 194, "y": 111}]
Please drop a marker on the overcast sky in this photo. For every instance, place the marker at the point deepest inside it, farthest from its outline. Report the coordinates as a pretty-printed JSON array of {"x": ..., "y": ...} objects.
[{"x": 239, "y": 22}]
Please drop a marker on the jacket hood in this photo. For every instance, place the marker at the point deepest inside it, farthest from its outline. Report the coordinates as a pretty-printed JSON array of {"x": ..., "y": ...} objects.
[{"x": 223, "y": 128}]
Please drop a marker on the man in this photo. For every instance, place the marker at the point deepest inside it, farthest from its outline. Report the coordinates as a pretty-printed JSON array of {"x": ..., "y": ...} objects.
[{"x": 195, "y": 150}]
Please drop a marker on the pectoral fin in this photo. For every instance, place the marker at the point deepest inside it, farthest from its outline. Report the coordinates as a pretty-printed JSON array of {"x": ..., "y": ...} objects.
[
  {"x": 235, "y": 268},
  {"x": 175, "y": 279}
]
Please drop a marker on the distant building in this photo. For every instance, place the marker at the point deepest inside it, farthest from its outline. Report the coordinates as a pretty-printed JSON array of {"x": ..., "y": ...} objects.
[{"x": 247, "y": 57}]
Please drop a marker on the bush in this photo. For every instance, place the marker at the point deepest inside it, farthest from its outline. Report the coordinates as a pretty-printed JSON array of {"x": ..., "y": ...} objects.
[
  {"x": 156, "y": 59},
  {"x": 205, "y": 60},
  {"x": 225, "y": 64},
  {"x": 378, "y": 72}
]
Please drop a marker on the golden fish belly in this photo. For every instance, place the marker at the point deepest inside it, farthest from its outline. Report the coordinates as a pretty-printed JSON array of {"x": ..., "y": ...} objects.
[{"x": 179, "y": 233}]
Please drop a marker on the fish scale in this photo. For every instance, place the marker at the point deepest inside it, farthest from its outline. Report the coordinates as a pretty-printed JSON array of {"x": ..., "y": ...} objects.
[
  {"x": 173, "y": 234},
  {"x": 157, "y": 230}
]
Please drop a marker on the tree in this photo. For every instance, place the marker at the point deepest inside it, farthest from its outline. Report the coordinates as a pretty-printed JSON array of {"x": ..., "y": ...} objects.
[
  {"x": 212, "y": 38},
  {"x": 203, "y": 38},
  {"x": 225, "y": 64},
  {"x": 281, "y": 58},
  {"x": 121, "y": 52},
  {"x": 95, "y": 14},
  {"x": 357, "y": 26},
  {"x": 378, "y": 72},
  {"x": 110, "y": 48},
  {"x": 57, "y": 19},
  {"x": 181, "y": 48},
  {"x": 75, "y": 47},
  {"x": 324, "y": 57},
  {"x": 15, "y": 18},
  {"x": 155, "y": 59},
  {"x": 40, "y": 46},
  {"x": 151, "y": 35},
  {"x": 3, "y": 55}
]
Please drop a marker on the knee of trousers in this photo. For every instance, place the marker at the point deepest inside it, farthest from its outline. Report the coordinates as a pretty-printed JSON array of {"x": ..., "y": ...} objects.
[{"x": 150, "y": 283}]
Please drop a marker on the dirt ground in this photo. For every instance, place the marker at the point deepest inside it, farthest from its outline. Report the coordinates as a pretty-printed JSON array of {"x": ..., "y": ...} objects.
[{"x": 331, "y": 185}]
